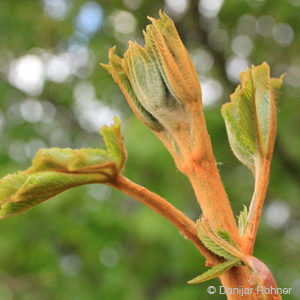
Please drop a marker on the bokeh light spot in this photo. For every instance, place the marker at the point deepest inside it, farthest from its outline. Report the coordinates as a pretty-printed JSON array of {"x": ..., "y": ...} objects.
[
  {"x": 124, "y": 22},
  {"x": 27, "y": 74},
  {"x": 283, "y": 34},
  {"x": 133, "y": 4},
  {"x": 56, "y": 9},
  {"x": 242, "y": 45},
  {"x": 109, "y": 257},
  {"x": 277, "y": 213},
  {"x": 265, "y": 26},
  {"x": 293, "y": 76},
  {"x": 235, "y": 65},
  {"x": 91, "y": 113},
  {"x": 209, "y": 8},
  {"x": 31, "y": 110},
  {"x": 59, "y": 68},
  {"x": 246, "y": 25},
  {"x": 16, "y": 151},
  {"x": 33, "y": 146},
  {"x": 218, "y": 39},
  {"x": 90, "y": 18},
  {"x": 70, "y": 265},
  {"x": 212, "y": 91},
  {"x": 202, "y": 60},
  {"x": 176, "y": 8}
]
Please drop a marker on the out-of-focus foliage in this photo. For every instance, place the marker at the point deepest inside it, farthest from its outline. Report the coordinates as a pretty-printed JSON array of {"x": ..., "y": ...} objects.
[{"x": 93, "y": 242}]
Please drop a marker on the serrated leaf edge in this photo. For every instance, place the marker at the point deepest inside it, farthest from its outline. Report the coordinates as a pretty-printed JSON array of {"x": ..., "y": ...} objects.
[{"x": 216, "y": 271}]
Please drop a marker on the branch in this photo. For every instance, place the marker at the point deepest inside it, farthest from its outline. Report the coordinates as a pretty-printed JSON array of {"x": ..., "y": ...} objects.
[
  {"x": 186, "y": 226},
  {"x": 256, "y": 206}
]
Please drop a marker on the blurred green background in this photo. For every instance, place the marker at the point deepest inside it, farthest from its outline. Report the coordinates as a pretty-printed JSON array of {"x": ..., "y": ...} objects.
[{"x": 93, "y": 242}]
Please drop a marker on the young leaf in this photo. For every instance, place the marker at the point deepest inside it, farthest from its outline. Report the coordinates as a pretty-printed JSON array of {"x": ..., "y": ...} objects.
[
  {"x": 21, "y": 191},
  {"x": 115, "y": 68},
  {"x": 219, "y": 242},
  {"x": 56, "y": 170},
  {"x": 216, "y": 271},
  {"x": 242, "y": 220},
  {"x": 250, "y": 117},
  {"x": 226, "y": 236},
  {"x": 172, "y": 59},
  {"x": 114, "y": 143}
]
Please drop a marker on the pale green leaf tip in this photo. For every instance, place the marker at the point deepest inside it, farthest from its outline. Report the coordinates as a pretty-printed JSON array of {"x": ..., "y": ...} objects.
[
  {"x": 243, "y": 220},
  {"x": 207, "y": 236},
  {"x": 114, "y": 129},
  {"x": 195, "y": 280},
  {"x": 118, "y": 68},
  {"x": 114, "y": 142},
  {"x": 214, "y": 272}
]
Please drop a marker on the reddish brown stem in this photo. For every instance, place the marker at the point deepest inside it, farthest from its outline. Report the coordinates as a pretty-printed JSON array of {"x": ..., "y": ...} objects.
[
  {"x": 255, "y": 210},
  {"x": 200, "y": 167},
  {"x": 186, "y": 226}
]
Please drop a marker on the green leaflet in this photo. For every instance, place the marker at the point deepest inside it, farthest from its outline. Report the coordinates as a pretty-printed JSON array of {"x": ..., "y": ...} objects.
[
  {"x": 250, "y": 117},
  {"x": 172, "y": 59},
  {"x": 55, "y": 170},
  {"x": 242, "y": 220},
  {"x": 225, "y": 235},
  {"x": 144, "y": 78},
  {"x": 216, "y": 271},
  {"x": 149, "y": 87},
  {"x": 115, "y": 68},
  {"x": 69, "y": 160},
  {"x": 212, "y": 246},
  {"x": 114, "y": 143},
  {"x": 32, "y": 189},
  {"x": 219, "y": 242}
]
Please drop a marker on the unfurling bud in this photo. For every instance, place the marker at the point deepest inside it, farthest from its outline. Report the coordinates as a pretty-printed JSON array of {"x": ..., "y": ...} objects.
[
  {"x": 159, "y": 81},
  {"x": 115, "y": 68},
  {"x": 250, "y": 117},
  {"x": 172, "y": 59}
]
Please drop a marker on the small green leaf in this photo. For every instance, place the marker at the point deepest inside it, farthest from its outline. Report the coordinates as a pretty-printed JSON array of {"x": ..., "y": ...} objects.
[
  {"x": 216, "y": 271},
  {"x": 71, "y": 160},
  {"x": 226, "y": 236},
  {"x": 114, "y": 143},
  {"x": 55, "y": 170},
  {"x": 219, "y": 242},
  {"x": 172, "y": 59},
  {"x": 250, "y": 117},
  {"x": 115, "y": 68},
  {"x": 211, "y": 245},
  {"x": 21, "y": 191},
  {"x": 242, "y": 220},
  {"x": 145, "y": 78}
]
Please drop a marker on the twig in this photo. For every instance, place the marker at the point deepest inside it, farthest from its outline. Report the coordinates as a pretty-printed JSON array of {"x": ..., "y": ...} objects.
[
  {"x": 256, "y": 205},
  {"x": 185, "y": 225}
]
